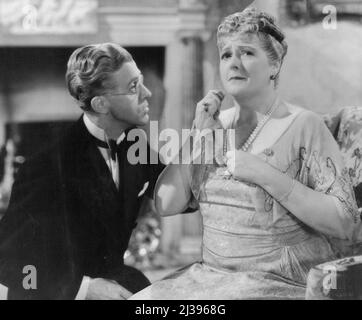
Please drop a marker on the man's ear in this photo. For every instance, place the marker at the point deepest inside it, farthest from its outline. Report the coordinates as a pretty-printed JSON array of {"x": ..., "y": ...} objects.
[{"x": 100, "y": 105}]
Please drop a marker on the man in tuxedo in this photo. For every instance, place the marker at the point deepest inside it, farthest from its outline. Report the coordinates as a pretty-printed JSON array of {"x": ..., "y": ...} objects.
[{"x": 73, "y": 207}]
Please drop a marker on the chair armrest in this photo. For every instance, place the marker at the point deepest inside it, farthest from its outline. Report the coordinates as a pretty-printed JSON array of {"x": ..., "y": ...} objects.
[{"x": 336, "y": 280}]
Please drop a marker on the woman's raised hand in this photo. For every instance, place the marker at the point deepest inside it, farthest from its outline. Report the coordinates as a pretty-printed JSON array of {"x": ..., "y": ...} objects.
[{"x": 207, "y": 111}]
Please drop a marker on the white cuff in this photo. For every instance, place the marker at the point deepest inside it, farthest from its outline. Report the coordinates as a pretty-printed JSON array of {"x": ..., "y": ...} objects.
[
  {"x": 3, "y": 292},
  {"x": 82, "y": 293}
]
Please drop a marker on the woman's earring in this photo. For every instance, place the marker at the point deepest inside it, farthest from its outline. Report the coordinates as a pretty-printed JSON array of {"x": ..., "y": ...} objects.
[{"x": 272, "y": 77}]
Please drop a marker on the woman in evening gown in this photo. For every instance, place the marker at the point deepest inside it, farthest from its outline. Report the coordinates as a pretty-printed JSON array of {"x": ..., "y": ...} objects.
[{"x": 275, "y": 202}]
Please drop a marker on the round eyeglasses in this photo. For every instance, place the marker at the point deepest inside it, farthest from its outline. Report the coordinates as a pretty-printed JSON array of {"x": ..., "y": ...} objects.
[{"x": 134, "y": 89}]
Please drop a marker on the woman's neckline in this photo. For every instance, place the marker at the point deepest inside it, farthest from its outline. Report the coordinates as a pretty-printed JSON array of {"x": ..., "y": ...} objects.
[
  {"x": 275, "y": 129},
  {"x": 273, "y": 136}
]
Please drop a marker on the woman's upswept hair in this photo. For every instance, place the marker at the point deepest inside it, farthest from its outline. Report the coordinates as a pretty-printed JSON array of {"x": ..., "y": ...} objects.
[
  {"x": 252, "y": 21},
  {"x": 89, "y": 68}
]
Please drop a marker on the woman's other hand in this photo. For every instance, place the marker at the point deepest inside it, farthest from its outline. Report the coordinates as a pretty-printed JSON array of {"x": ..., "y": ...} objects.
[
  {"x": 245, "y": 166},
  {"x": 207, "y": 111}
]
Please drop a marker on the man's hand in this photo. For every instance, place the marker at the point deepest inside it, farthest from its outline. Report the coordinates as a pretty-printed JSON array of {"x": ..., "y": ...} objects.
[{"x": 103, "y": 289}]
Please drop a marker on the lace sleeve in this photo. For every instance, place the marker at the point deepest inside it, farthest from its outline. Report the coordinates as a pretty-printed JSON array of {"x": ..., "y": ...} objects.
[{"x": 327, "y": 173}]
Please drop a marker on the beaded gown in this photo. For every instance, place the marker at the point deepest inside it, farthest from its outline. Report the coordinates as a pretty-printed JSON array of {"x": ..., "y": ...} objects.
[{"x": 253, "y": 247}]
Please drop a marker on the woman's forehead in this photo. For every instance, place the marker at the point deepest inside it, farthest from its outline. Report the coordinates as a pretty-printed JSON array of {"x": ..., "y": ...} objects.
[{"x": 244, "y": 38}]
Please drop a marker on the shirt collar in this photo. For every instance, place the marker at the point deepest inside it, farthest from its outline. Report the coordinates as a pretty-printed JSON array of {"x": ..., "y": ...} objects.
[{"x": 98, "y": 132}]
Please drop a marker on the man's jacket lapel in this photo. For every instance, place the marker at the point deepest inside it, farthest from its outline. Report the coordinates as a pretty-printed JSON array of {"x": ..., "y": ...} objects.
[{"x": 98, "y": 188}]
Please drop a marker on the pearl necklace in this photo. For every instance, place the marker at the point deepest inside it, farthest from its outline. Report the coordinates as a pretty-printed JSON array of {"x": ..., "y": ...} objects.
[
  {"x": 257, "y": 129},
  {"x": 252, "y": 137}
]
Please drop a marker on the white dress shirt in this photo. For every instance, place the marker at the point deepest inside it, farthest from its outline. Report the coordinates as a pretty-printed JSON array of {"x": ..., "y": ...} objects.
[{"x": 106, "y": 153}]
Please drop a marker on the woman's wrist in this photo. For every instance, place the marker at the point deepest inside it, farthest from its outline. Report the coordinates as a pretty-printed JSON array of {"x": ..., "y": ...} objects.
[
  {"x": 264, "y": 176},
  {"x": 276, "y": 183},
  {"x": 200, "y": 141},
  {"x": 285, "y": 196}
]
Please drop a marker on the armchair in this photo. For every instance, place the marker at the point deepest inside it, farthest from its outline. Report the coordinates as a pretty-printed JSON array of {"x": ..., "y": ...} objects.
[{"x": 342, "y": 279}]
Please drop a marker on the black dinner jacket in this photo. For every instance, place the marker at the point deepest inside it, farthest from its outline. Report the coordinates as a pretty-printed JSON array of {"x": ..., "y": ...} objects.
[{"x": 67, "y": 218}]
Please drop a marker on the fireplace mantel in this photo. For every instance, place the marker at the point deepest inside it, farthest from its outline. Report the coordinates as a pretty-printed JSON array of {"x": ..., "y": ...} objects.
[{"x": 139, "y": 23}]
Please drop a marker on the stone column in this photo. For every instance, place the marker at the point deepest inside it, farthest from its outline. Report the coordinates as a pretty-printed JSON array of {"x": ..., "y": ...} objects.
[
  {"x": 185, "y": 58},
  {"x": 184, "y": 85},
  {"x": 193, "y": 28},
  {"x": 192, "y": 92},
  {"x": 192, "y": 77}
]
